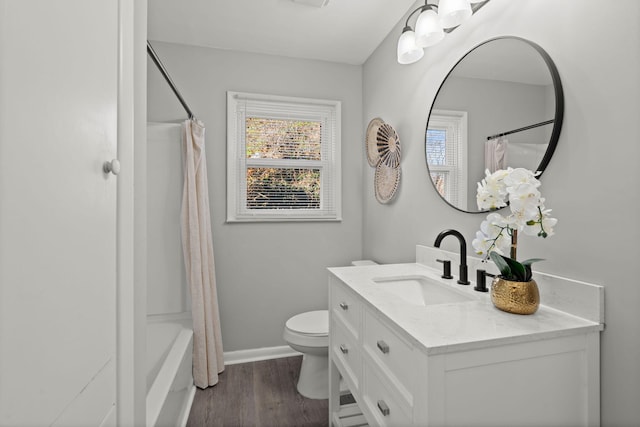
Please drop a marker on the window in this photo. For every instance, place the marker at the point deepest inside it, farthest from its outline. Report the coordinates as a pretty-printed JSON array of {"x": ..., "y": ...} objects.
[
  {"x": 446, "y": 151},
  {"x": 283, "y": 158}
]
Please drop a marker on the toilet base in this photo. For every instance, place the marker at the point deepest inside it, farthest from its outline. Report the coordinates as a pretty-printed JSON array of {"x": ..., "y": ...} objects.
[{"x": 314, "y": 376}]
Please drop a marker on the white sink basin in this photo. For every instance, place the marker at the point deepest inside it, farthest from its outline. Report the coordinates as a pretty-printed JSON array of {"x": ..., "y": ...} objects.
[{"x": 422, "y": 290}]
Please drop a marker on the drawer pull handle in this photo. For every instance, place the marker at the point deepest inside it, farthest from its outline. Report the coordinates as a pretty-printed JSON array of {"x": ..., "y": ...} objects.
[
  {"x": 344, "y": 349},
  {"x": 344, "y": 306},
  {"x": 383, "y": 346},
  {"x": 384, "y": 409}
]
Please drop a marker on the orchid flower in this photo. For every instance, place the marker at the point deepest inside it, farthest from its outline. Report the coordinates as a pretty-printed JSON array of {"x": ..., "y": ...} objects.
[{"x": 518, "y": 189}]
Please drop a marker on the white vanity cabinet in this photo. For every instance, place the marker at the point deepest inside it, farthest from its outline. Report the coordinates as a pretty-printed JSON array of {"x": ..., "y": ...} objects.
[
  {"x": 398, "y": 378},
  {"x": 345, "y": 327}
]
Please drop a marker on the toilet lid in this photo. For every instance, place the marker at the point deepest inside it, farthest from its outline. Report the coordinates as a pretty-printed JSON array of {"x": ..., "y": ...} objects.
[{"x": 314, "y": 323}]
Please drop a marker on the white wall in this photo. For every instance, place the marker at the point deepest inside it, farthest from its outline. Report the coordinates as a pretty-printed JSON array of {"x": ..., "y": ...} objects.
[
  {"x": 591, "y": 183},
  {"x": 167, "y": 291},
  {"x": 266, "y": 272}
]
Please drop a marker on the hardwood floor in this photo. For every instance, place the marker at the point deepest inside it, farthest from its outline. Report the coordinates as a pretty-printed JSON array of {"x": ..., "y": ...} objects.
[{"x": 258, "y": 394}]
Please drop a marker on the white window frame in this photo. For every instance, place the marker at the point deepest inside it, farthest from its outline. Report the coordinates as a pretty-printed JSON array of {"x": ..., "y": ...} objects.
[
  {"x": 455, "y": 123},
  {"x": 328, "y": 112}
]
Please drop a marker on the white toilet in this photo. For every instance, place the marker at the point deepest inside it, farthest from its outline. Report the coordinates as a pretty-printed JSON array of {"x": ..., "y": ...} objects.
[{"x": 308, "y": 333}]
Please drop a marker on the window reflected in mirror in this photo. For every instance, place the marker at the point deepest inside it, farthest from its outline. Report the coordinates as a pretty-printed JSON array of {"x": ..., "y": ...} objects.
[{"x": 446, "y": 152}]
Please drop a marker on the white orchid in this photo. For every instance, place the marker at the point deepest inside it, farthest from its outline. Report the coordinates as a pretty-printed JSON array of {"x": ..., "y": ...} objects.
[
  {"x": 542, "y": 225},
  {"x": 519, "y": 176},
  {"x": 518, "y": 189},
  {"x": 492, "y": 191},
  {"x": 491, "y": 236}
]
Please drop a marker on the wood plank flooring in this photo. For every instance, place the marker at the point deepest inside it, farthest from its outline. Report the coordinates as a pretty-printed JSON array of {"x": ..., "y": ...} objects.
[{"x": 258, "y": 394}]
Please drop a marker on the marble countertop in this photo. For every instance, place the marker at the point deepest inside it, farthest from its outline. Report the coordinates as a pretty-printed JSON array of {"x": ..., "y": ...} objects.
[{"x": 444, "y": 328}]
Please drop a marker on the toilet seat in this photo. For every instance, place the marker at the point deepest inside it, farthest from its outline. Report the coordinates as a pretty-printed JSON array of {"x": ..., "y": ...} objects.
[
  {"x": 311, "y": 323},
  {"x": 310, "y": 329}
]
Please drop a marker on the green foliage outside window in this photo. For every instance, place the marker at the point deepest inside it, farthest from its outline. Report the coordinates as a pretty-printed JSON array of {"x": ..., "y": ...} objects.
[{"x": 283, "y": 187}]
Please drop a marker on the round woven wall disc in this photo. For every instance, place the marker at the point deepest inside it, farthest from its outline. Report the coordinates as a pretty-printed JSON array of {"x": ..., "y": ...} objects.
[
  {"x": 371, "y": 141},
  {"x": 388, "y": 145},
  {"x": 386, "y": 182}
]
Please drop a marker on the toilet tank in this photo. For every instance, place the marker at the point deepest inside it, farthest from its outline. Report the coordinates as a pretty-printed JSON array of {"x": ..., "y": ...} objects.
[{"x": 363, "y": 262}]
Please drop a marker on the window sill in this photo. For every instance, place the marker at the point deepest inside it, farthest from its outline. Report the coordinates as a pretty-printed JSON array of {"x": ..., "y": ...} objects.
[{"x": 253, "y": 219}]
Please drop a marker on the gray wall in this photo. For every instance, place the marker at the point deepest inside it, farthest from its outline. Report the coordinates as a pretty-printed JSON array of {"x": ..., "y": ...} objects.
[
  {"x": 266, "y": 272},
  {"x": 513, "y": 105},
  {"x": 591, "y": 182}
]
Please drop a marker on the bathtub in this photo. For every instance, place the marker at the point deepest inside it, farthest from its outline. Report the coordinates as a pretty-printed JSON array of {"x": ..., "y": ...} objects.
[{"x": 170, "y": 388}]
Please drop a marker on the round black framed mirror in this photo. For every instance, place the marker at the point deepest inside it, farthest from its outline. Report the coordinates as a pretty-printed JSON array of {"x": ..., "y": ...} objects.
[{"x": 500, "y": 106}]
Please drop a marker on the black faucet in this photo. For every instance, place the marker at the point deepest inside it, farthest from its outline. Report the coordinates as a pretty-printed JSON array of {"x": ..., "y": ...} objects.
[
  {"x": 481, "y": 280},
  {"x": 463, "y": 280}
]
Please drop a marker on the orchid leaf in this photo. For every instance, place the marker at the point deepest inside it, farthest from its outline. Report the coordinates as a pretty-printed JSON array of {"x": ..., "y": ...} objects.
[
  {"x": 502, "y": 265},
  {"x": 527, "y": 267},
  {"x": 531, "y": 261},
  {"x": 518, "y": 270},
  {"x": 510, "y": 269}
]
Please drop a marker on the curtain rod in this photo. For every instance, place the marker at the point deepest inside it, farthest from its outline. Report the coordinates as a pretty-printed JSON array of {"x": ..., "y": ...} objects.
[
  {"x": 154, "y": 56},
  {"x": 520, "y": 129}
]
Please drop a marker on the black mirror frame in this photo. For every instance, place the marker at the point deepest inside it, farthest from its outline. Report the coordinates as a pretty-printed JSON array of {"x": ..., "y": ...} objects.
[{"x": 559, "y": 108}]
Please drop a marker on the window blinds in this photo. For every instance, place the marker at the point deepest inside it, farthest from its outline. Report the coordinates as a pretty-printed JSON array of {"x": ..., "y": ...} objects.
[{"x": 286, "y": 159}]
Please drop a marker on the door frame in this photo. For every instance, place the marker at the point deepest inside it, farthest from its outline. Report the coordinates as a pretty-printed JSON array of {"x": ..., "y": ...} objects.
[{"x": 131, "y": 212}]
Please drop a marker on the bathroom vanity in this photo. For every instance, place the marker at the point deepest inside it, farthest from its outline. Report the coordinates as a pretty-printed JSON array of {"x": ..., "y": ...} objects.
[{"x": 415, "y": 349}]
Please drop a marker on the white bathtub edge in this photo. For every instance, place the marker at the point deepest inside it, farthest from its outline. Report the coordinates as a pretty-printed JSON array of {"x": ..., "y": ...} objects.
[
  {"x": 187, "y": 407},
  {"x": 162, "y": 384},
  {"x": 182, "y": 317},
  {"x": 257, "y": 354}
]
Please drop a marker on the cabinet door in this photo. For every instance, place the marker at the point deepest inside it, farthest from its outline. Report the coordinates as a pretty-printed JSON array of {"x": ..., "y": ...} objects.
[{"x": 58, "y": 124}]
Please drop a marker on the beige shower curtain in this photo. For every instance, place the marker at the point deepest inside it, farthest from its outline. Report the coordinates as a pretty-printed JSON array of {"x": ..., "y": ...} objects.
[
  {"x": 197, "y": 247},
  {"x": 495, "y": 154}
]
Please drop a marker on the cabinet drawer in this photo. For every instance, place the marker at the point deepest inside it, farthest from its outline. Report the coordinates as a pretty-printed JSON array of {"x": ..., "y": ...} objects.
[
  {"x": 392, "y": 353},
  {"x": 346, "y": 306},
  {"x": 346, "y": 353},
  {"x": 380, "y": 399}
]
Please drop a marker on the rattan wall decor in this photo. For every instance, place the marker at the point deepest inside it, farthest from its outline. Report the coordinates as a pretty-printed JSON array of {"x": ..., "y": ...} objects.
[{"x": 384, "y": 154}]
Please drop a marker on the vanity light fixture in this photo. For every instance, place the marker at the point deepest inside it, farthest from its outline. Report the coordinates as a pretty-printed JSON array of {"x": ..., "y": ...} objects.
[{"x": 432, "y": 23}]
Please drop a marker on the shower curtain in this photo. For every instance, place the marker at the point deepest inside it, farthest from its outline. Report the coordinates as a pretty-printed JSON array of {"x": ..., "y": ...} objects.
[
  {"x": 197, "y": 247},
  {"x": 495, "y": 154}
]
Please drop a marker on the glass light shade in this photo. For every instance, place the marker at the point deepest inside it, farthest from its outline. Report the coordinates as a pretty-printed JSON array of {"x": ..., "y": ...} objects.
[
  {"x": 428, "y": 29},
  {"x": 454, "y": 12},
  {"x": 408, "y": 50},
  {"x": 475, "y": 1}
]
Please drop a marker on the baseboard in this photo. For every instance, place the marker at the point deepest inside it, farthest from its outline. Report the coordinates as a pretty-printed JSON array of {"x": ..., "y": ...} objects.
[{"x": 257, "y": 354}]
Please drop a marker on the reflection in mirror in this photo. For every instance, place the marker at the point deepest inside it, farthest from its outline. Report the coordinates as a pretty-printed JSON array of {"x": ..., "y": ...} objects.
[{"x": 500, "y": 106}]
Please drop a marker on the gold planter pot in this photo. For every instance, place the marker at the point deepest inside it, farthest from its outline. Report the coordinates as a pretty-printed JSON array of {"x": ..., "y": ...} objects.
[{"x": 515, "y": 297}]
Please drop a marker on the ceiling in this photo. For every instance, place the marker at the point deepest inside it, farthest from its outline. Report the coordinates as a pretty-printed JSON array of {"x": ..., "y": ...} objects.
[{"x": 346, "y": 31}]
